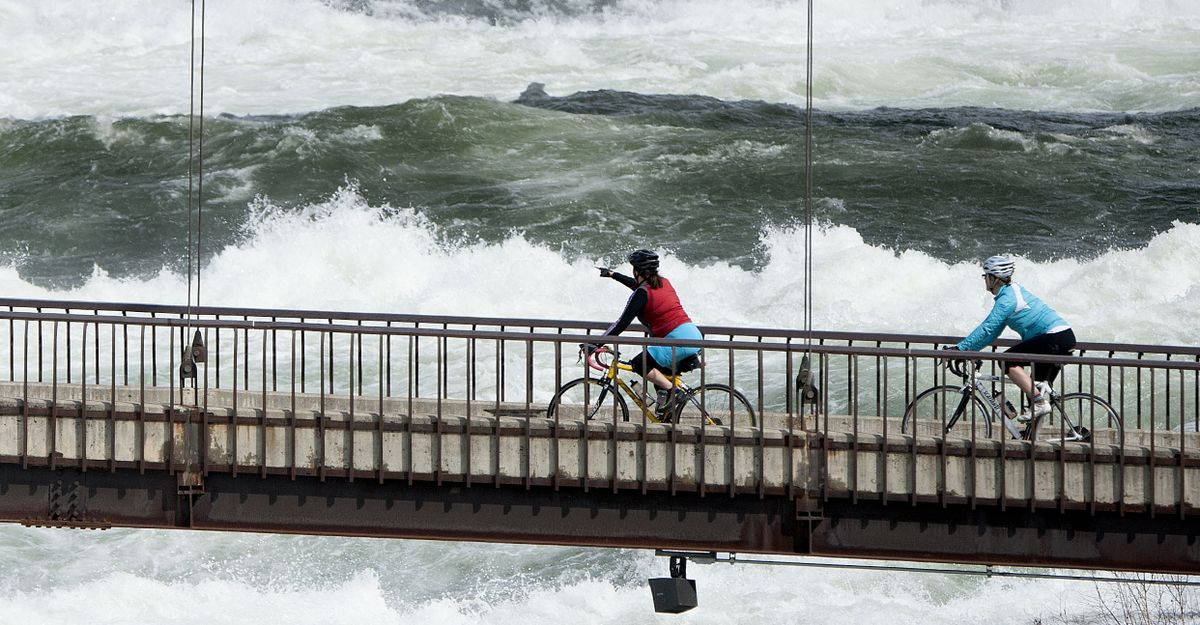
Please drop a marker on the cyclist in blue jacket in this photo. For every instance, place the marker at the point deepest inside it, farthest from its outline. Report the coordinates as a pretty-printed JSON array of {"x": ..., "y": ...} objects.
[{"x": 1042, "y": 331}]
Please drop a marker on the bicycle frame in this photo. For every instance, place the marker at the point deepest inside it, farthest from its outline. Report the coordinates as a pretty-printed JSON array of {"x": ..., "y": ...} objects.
[
  {"x": 981, "y": 385},
  {"x": 610, "y": 369}
]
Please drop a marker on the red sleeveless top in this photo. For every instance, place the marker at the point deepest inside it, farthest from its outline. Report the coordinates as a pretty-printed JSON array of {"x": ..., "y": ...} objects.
[{"x": 663, "y": 312}]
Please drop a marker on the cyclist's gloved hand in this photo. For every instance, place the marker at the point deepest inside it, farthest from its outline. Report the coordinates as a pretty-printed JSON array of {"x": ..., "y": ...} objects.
[
  {"x": 588, "y": 348},
  {"x": 605, "y": 272}
]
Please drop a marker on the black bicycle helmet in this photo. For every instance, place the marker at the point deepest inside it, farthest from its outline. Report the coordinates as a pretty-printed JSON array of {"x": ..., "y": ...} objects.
[{"x": 644, "y": 261}]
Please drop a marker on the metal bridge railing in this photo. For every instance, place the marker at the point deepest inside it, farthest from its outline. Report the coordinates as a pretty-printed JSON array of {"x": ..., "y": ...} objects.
[{"x": 452, "y": 365}]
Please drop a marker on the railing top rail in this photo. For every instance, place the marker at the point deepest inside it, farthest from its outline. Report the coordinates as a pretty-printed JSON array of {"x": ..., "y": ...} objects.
[
  {"x": 817, "y": 336},
  {"x": 563, "y": 338}
]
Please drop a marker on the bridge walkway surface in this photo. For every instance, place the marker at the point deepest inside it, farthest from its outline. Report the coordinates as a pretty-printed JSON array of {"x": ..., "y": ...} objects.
[{"x": 436, "y": 428}]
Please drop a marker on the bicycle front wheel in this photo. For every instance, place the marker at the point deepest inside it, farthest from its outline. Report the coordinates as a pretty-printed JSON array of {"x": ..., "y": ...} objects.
[
  {"x": 942, "y": 407},
  {"x": 715, "y": 404},
  {"x": 1081, "y": 417},
  {"x": 587, "y": 398}
]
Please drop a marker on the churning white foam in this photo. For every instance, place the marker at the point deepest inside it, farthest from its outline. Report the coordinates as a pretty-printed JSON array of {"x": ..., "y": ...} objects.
[
  {"x": 343, "y": 254},
  {"x": 277, "y": 56},
  {"x": 205, "y": 578}
]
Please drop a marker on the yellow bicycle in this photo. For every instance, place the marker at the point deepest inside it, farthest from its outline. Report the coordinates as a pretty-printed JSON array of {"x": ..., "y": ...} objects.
[{"x": 601, "y": 397}]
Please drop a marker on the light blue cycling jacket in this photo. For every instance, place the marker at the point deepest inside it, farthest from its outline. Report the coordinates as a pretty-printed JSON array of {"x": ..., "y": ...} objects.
[{"x": 1018, "y": 309}]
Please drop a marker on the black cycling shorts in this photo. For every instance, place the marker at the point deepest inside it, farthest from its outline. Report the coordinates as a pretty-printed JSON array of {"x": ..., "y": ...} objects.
[
  {"x": 1058, "y": 343},
  {"x": 644, "y": 362}
]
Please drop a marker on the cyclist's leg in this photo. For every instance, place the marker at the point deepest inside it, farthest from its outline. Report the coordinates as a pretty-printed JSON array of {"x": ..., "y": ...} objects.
[
  {"x": 648, "y": 367},
  {"x": 1060, "y": 344},
  {"x": 1041, "y": 344}
]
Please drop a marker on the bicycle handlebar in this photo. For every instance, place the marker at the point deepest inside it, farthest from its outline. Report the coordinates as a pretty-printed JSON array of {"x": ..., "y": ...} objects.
[
  {"x": 957, "y": 367},
  {"x": 596, "y": 358}
]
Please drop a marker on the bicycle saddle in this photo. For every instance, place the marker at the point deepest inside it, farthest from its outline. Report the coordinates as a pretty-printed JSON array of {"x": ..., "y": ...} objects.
[{"x": 691, "y": 363}]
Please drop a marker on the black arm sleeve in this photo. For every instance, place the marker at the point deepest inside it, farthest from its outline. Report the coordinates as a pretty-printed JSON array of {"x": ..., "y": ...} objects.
[
  {"x": 624, "y": 279},
  {"x": 633, "y": 308}
]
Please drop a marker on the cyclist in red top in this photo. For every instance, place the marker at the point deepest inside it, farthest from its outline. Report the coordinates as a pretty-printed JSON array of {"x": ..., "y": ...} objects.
[{"x": 654, "y": 303}]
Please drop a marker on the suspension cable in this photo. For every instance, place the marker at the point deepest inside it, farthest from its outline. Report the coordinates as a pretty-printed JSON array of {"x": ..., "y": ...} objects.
[
  {"x": 984, "y": 571},
  {"x": 808, "y": 182},
  {"x": 195, "y": 162}
]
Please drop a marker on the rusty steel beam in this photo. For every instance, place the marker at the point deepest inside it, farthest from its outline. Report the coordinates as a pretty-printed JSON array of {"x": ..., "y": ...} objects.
[
  {"x": 1041, "y": 538},
  {"x": 598, "y": 518},
  {"x": 308, "y": 505}
]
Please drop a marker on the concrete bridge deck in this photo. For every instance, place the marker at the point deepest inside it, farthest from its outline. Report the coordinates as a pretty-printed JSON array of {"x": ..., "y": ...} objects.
[{"x": 202, "y": 449}]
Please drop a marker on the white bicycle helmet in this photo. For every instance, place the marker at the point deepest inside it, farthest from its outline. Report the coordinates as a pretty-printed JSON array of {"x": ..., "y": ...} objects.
[{"x": 999, "y": 266}]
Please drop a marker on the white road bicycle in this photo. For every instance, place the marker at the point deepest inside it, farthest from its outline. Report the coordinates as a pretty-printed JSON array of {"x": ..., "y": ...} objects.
[{"x": 976, "y": 403}]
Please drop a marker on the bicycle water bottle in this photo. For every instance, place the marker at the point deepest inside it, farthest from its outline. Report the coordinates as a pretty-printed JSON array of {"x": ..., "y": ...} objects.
[
  {"x": 1010, "y": 411},
  {"x": 636, "y": 387}
]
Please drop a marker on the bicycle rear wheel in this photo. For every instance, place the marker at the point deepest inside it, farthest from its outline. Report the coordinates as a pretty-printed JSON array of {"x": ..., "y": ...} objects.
[
  {"x": 587, "y": 398},
  {"x": 935, "y": 409},
  {"x": 719, "y": 403},
  {"x": 1080, "y": 417}
]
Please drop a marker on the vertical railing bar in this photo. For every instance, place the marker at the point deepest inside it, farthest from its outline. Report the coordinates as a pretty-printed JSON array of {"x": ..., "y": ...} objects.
[
  {"x": 824, "y": 470},
  {"x": 1153, "y": 447},
  {"x": 274, "y": 361},
  {"x": 912, "y": 449},
  {"x": 496, "y": 420},
  {"x": 332, "y": 350},
  {"x": 1121, "y": 464},
  {"x": 526, "y": 461},
  {"x": 261, "y": 448},
  {"x": 321, "y": 418},
  {"x": 41, "y": 364},
  {"x": 295, "y": 457},
  {"x": 52, "y": 453},
  {"x": 883, "y": 455},
  {"x": 83, "y": 403},
  {"x": 141, "y": 412},
  {"x": 414, "y": 362},
  {"x": 584, "y": 423},
  {"x": 439, "y": 391},
  {"x": 96, "y": 355},
  {"x": 470, "y": 384},
  {"x": 790, "y": 448},
  {"x": 440, "y": 387},
  {"x": 408, "y": 423},
  {"x": 761, "y": 392},
  {"x": 529, "y": 371},
  {"x": 204, "y": 416},
  {"x": 732, "y": 449},
  {"x": 246, "y": 355},
  {"x": 216, "y": 354},
  {"x": 125, "y": 345},
  {"x": 1140, "y": 395},
  {"x": 12, "y": 353},
  {"x": 379, "y": 431},
  {"x": 112, "y": 398},
  {"x": 24, "y": 447},
  {"x": 758, "y": 431},
  {"x": 171, "y": 401},
  {"x": 1181, "y": 474},
  {"x": 852, "y": 482},
  {"x": 153, "y": 353},
  {"x": 232, "y": 432},
  {"x": 354, "y": 338}
]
